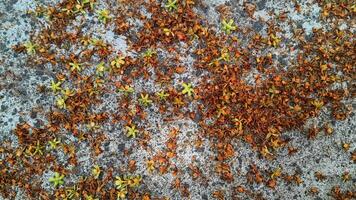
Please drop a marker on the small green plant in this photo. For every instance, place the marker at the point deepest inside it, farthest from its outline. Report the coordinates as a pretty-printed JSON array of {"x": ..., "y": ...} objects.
[
  {"x": 120, "y": 183},
  {"x": 92, "y": 126},
  {"x": 273, "y": 91},
  {"x": 274, "y": 40},
  {"x": 228, "y": 26},
  {"x": 133, "y": 181},
  {"x": 96, "y": 42},
  {"x": 150, "y": 165},
  {"x": 353, "y": 7},
  {"x": 101, "y": 68},
  {"x": 79, "y": 7},
  {"x": 30, "y": 47},
  {"x": 178, "y": 101},
  {"x": 221, "y": 111},
  {"x": 98, "y": 82},
  {"x": 149, "y": 53},
  {"x": 56, "y": 86},
  {"x": 90, "y": 197},
  {"x": 54, "y": 143},
  {"x": 126, "y": 89},
  {"x": 238, "y": 123},
  {"x": 57, "y": 179},
  {"x": 75, "y": 66},
  {"x": 117, "y": 62},
  {"x": 276, "y": 173},
  {"x": 90, "y": 2},
  {"x": 167, "y": 32},
  {"x": 127, "y": 181},
  {"x": 72, "y": 193},
  {"x": 33, "y": 150},
  {"x": 265, "y": 151},
  {"x": 323, "y": 67},
  {"x": 144, "y": 100},
  {"x": 96, "y": 171},
  {"x": 103, "y": 15},
  {"x": 162, "y": 95},
  {"x": 171, "y": 5},
  {"x": 225, "y": 56},
  {"x": 67, "y": 93},
  {"x": 121, "y": 194},
  {"x": 67, "y": 11},
  {"x": 318, "y": 104},
  {"x": 131, "y": 131},
  {"x": 61, "y": 103},
  {"x": 187, "y": 89}
]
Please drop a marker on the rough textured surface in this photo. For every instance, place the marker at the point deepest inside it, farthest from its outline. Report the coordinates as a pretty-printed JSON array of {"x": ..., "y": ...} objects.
[{"x": 20, "y": 101}]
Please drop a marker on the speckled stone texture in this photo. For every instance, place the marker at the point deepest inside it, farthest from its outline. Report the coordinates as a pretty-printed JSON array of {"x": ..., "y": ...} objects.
[{"x": 20, "y": 101}]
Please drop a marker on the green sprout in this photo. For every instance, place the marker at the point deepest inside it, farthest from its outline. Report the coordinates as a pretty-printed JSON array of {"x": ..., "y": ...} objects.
[
  {"x": 79, "y": 8},
  {"x": 144, "y": 100},
  {"x": 33, "y": 150},
  {"x": 75, "y": 66},
  {"x": 224, "y": 55},
  {"x": 134, "y": 181},
  {"x": 354, "y": 8},
  {"x": 56, "y": 86},
  {"x": 126, "y": 89},
  {"x": 273, "y": 91},
  {"x": 117, "y": 62},
  {"x": 67, "y": 11},
  {"x": 168, "y": 32},
  {"x": 57, "y": 179},
  {"x": 30, "y": 47},
  {"x": 276, "y": 173},
  {"x": 100, "y": 69},
  {"x": 228, "y": 26},
  {"x": 178, "y": 101},
  {"x": 90, "y": 2},
  {"x": 131, "y": 181},
  {"x": 120, "y": 183},
  {"x": 150, "y": 165},
  {"x": 72, "y": 193},
  {"x": 61, "y": 103},
  {"x": 92, "y": 125},
  {"x": 238, "y": 123},
  {"x": 121, "y": 194},
  {"x": 67, "y": 93},
  {"x": 104, "y": 15},
  {"x": 98, "y": 82},
  {"x": 171, "y": 5},
  {"x": 274, "y": 40},
  {"x": 318, "y": 104},
  {"x": 221, "y": 111},
  {"x": 187, "y": 89},
  {"x": 131, "y": 131},
  {"x": 96, "y": 171},
  {"x": 162, "y": 95},
  {"x": 90, "y": 197},
  {"x": 53, "y": 144},
  {"x": 266, "y": 152},
  {"x": 95, "y": 41},
  {"x": 149, "y": 53}
]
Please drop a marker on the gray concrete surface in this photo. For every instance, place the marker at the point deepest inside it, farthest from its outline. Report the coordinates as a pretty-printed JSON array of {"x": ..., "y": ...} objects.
[{"x": 18, "y": 99}]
